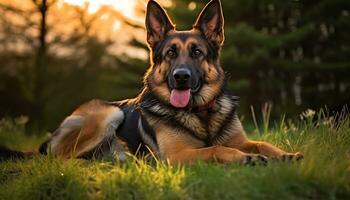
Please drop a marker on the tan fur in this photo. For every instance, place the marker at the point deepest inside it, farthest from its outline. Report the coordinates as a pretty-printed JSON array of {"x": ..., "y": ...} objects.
[
  {"x": 74, "y": 141},
  {"x": 175, "y": 41},
  {"x": 177, "y": 147},
  {"x": 218, "y": 117},
  {"x": 241, "y": 142},
  {"x": 162, "y": 91},
  {"x": 262, "y": 148},
  {"x": 159, "y": 74}
]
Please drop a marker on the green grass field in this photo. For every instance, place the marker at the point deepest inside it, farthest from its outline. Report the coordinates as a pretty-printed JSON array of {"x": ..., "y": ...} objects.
[{"x": 324, "y": 173}]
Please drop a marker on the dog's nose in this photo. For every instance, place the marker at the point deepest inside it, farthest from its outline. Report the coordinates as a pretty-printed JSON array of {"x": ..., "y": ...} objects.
[{"x": 182, "y": 75}]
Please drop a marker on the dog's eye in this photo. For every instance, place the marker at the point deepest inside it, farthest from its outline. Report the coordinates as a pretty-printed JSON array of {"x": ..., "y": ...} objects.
[
  {"x": 197, "y": 53},
  {"x": 171, "y": 53}
]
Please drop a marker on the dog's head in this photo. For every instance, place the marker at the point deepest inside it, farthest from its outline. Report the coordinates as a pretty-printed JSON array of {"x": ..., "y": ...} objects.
[{"x": 185, "y": 69}]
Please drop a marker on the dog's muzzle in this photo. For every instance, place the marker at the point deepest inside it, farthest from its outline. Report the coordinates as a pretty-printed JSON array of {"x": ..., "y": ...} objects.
[
  {"x": 183, "y": 82},
  {"x": 183, "y": 78}
]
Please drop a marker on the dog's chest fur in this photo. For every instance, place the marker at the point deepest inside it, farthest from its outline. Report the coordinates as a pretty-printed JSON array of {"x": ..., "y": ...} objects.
[{"x": 212, "y": 126}]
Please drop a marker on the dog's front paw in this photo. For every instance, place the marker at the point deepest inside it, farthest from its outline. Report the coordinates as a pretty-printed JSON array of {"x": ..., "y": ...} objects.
[
  {"x": 291, "y": 157},
  {"x": 255, "y": 159}
]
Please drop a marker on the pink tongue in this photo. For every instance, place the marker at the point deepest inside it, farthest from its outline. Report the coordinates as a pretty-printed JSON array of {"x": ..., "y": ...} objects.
[{"x": 180, "y": 98}]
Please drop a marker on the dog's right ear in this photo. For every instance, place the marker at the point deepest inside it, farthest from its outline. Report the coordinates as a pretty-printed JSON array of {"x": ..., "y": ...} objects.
[{"x": 157, "y": 23}]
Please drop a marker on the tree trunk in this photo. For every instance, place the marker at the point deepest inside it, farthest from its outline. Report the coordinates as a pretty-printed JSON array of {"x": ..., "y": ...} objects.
[{"x": 40, "y": 69}]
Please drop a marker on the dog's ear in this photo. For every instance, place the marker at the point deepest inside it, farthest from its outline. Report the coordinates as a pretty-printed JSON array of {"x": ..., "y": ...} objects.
[
  {"x": 157, "y": 23},
  {"x": 211, "y": 22}
]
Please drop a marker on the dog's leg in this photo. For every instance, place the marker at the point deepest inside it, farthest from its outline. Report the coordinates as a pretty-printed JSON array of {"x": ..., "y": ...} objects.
[
  {"x": 268, "y": 150},
  {"x": 86, "y": 129},
  {"x": 240, "y": 141},
  {"x": 217, "y": 154},
  {"x": 178, "y": 147}
]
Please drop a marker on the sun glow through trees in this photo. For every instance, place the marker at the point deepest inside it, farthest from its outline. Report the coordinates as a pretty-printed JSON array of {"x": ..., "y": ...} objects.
[{"x": 126, "y": 7}]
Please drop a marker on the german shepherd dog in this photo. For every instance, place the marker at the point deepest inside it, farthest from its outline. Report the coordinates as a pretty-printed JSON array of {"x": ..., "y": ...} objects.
[{"x": 183, "y": 113}]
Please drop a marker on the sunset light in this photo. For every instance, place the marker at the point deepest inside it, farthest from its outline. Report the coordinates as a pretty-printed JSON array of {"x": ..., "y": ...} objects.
[{"x": 126, "y": 7}]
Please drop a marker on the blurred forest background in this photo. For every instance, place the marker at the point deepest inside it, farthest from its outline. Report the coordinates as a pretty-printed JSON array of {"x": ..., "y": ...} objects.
[{"x": 56, "y": 54}]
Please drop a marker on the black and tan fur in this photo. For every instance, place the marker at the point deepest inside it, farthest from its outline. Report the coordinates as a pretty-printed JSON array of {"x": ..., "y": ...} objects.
[{"x": 207, "y": 129}]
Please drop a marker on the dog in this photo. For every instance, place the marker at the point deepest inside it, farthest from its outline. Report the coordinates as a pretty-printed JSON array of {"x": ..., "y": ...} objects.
[{"x": 183, "y": 114}]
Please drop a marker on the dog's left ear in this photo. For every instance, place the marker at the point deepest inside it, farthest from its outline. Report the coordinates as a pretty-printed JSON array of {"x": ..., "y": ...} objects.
[
  {"x": 211, "y": 22},
  {"x": 157, "y": 23}
]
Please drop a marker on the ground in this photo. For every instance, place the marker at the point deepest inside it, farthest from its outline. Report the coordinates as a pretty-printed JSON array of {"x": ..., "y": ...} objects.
[{"x": 324, "y": 173}]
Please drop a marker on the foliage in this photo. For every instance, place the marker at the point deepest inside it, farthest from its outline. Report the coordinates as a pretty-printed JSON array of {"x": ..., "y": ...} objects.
[{"x": 12, "y": 134}]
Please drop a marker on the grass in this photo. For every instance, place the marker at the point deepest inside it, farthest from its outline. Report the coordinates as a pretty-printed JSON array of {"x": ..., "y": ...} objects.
[{"x": 323, "y": 174}]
